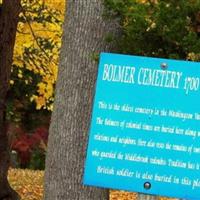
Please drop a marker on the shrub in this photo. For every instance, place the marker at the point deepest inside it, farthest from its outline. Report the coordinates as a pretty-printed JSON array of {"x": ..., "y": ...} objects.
[
  {"x": 31, "y": 148},
  {"x": 167, "y": 28}
]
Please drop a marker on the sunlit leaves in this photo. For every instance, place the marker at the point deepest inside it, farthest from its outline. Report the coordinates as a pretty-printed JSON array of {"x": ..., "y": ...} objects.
[{"x": 37, "y": 47}]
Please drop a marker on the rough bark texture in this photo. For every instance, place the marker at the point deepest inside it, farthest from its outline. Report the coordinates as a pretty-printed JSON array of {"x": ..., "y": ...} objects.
[
  {"x": 84, "y": 37},
  {"x": 147, "y": 197},
  {"x": 9, "y": 11}
]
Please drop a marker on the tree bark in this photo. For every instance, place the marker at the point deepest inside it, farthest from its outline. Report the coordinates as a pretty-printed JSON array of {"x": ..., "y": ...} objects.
[
  {"x": 147, "y": 197},
  {"x": 9, "y": 12},
  {"x": 83, "y": 39}
]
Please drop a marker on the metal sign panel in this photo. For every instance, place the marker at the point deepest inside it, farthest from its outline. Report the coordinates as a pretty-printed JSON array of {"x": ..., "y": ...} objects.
[{"x": 145, "y": 127}]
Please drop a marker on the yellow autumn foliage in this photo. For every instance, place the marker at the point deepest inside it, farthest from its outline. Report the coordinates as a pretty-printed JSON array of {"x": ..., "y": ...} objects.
[
  {"x": 27, "y": 183},
  {"x": 32, "y": 36}
]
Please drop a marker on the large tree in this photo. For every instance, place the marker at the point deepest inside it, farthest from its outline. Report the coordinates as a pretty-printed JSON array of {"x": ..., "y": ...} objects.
[
  {"x": 84, "y": 36},
  {"x": 9, "y": 12},
  {"x": 83, "y": 39}
]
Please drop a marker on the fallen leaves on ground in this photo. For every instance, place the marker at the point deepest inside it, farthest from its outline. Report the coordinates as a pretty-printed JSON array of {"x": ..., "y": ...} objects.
[
  {"x": 121, "y": 195},
  {"x": 29, "y": 185}
]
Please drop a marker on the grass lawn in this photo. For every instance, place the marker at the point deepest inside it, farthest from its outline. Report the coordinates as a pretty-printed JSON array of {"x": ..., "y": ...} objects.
[{"x": 29, "y": 184}]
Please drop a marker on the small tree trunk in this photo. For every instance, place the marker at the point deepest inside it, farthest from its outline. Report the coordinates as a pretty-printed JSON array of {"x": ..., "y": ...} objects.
[
  {"x": 84, "y": 38},
  {"x": 147, "y": 197},
  {"x": 9, "y": 11}
]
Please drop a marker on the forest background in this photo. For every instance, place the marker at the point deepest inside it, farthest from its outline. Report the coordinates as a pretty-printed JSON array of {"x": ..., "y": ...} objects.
[
  {"x": 169, "y": 29},
  {"x": 33, "y": 77}
]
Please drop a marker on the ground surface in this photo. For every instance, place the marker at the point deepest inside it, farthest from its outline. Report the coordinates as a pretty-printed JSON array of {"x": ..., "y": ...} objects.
[{"x": 29, "y": 184}]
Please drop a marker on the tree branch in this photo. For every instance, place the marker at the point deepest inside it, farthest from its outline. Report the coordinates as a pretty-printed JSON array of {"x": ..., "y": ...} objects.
[{"x": 35, "y": 38}]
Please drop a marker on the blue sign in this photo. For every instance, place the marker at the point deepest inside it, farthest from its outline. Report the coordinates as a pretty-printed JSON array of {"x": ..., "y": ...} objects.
[{"x": 145, "y": 127}]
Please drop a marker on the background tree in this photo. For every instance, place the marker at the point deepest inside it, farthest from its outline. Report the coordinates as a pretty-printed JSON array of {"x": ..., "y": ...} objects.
[
  {"x": 35, "y": 60},
  {"x": 36, "y": 51},
  {"x": 33, "y": 77},
  {"x": 9, "y": 12},
  {"x": 167, "y": 29}
]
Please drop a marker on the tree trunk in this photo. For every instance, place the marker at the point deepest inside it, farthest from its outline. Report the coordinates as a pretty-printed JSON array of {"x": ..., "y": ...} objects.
[
  {"x": 9, "y": 11},
  {"x": 83, "y": 39},
  {"x": 147, "y": 197}
]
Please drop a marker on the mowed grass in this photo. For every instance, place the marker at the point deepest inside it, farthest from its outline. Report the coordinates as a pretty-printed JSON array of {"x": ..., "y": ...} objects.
[{"x": 29, "y": 185}]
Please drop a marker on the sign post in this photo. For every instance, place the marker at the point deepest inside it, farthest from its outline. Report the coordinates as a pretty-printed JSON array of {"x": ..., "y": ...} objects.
[{"x": 145, "y": 127}]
